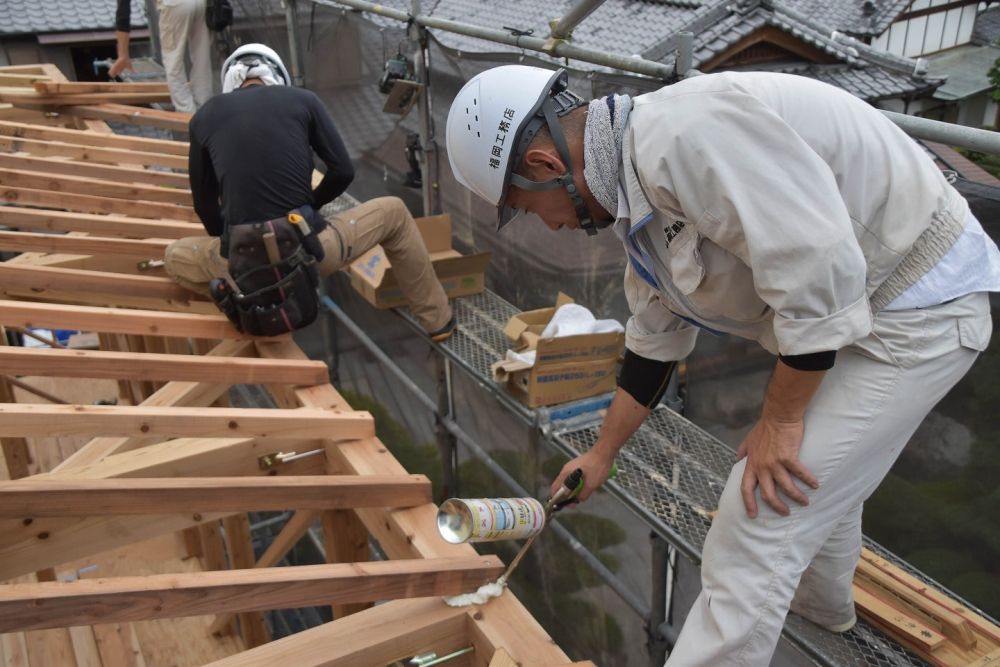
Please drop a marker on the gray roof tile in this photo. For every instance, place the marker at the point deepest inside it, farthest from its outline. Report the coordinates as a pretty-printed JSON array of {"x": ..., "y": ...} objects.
[
  {"x": 856, "y": 17},
  {"x": 987, "y": 27},
  {"x": 18, "y": 17}
]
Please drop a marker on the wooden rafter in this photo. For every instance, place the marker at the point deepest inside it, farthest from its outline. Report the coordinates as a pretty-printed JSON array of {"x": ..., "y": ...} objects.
[
  {"x": 69, "y": 136},
  {"x": 102, "y": 225},
  {"x": 130, "y": 366},
  {"x": 94, "y": 170},
  {"x": 31, "y": 497},
  {"x": 39, "y": 278},
  {"x": 115, "y": 320},
  {"x": 41, "y": 147},
  {"x": 82, "y": 245},
  {"x": 122, "y": 113},
  {"x": 62, "y": 604},
  {"x": 35, "y": 420},
  {"x": 90, "y": 204},
  {"x": 93, "y": 186}
]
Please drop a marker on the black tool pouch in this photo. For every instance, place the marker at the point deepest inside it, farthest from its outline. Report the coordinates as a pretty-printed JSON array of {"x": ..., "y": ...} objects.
[{"x": 269, "y": 297}]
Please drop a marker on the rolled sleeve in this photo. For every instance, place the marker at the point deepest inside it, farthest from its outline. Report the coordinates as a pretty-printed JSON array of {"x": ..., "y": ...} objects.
[
  {"x": 754, "y": 187},
  {"x": 653, "y": 331}
]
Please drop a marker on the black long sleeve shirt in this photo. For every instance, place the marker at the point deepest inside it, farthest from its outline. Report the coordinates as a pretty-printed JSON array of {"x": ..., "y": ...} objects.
[{"x": 251, "y": 155}]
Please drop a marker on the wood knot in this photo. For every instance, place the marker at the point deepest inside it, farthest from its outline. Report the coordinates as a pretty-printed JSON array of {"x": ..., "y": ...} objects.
[
  {"x": 44, "y": 535},
  {"x": 233, "y": 425},
  {"x": 27, "y": 522},
  {"x": 144, "y": 428}
]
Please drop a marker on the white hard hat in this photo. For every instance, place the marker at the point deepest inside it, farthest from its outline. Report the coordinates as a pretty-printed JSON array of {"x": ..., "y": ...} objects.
[
  {"x": 264, "y": 54},
  {"x": 493, "y": 120}
]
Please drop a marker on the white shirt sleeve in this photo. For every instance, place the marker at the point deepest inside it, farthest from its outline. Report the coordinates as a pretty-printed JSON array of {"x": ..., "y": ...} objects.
[
  {"x": 754, "y": 187},
  {"x": 653, "y": 331}
]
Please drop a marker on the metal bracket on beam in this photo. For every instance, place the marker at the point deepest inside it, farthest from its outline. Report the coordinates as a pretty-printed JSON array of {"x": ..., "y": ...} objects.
[{"x": 272, "y": 460}]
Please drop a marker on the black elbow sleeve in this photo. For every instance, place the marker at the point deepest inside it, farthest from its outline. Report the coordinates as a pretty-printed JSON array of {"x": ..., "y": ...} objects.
[
  {"x": 814, "y": 361},
  {"x": 644, "y": 379}
]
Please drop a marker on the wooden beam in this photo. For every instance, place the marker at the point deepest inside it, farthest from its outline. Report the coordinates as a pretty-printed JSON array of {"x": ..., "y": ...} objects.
[
  {"x": 33, "y": 99},
  {"x": 95, "y": 170},
  {"x": 115, "y": 320},
  {"x": 239, "y": 544},
  {"x": 11, "y": 79},
  {"x": 36, "y": 498},
  {"x": 78, "y": 87},
  {"x": 82, "y": 245},
  {"x": 345, "y": 540},
  {"x": 378, "y": 636},
  {"x": 90, "y": 204},
  {"x": 289, "y": 536},
  {"x": 102, "y": 225},
  {"x": 191, "y": 394},
  {"x": 146, "y": 367},
  {"x": 15, "y": 450},
  {"x": 39, "y": 420},
  {"x": 38, "y": 278},
  {"x": 30, "y": 606},
  {"x": 93, "y": 186},
  {"x": 83, "y": 137},
  {"x": 44, "y": 148},
  {"x": 121, "y": 113}
]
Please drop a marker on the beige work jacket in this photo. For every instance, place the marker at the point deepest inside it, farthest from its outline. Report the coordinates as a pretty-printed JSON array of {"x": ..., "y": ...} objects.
[{"x": 775, "y": 208}]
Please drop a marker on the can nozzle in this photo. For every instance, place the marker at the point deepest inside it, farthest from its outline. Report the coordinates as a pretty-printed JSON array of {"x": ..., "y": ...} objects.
[{"x": 571, "y": 488}]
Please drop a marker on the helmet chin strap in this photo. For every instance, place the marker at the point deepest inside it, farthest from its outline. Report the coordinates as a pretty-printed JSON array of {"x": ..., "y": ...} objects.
[{"x": 566, "y": 180}]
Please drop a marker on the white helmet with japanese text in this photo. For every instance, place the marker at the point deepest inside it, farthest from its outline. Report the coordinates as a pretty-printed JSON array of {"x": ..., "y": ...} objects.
[{"x": 493, "y": 120}]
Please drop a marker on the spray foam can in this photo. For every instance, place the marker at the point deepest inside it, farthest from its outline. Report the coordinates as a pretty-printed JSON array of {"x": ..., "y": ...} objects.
[{"x": 490, "y": 519}]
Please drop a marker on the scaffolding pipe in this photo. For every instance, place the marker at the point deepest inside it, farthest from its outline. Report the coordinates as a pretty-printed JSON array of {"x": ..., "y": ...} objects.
[
  {"x": 685, "y": 53},
  {"x": 606, "y": 575},
  {"x": 577, "y": 13},
  {"x": 292, "y": 25},
  {"x": 923, "y": 128}
]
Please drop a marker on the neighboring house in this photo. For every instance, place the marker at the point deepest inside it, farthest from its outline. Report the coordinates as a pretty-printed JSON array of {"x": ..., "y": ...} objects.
[
  {"x": 69, "y": 33},
  {"x": 957, "y": 38}
]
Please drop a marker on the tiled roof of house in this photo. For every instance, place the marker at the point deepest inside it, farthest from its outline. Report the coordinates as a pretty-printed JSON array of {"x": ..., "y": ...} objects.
[
  {"x": 25, "y": 17},
  {"x": 987, "y": 27},
  {"x": 857, "y": 17}
]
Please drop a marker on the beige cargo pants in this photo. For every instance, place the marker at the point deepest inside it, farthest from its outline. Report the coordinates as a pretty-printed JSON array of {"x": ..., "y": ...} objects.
[{"x": 193, "y": 262}]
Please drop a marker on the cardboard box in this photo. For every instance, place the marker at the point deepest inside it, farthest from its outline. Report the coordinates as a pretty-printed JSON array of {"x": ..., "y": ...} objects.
[
  {"x": 565, "y": 369},
  {"x": 460, "y": 275}
]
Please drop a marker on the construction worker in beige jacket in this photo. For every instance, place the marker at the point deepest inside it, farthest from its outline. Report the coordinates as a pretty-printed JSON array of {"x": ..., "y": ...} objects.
[{"x": 778, "y": 209}]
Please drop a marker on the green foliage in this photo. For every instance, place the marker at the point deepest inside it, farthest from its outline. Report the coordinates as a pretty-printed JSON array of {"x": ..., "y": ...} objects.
[
  {"x": 994, "y": 76},
  {"x": 417, "y": 458},
  {"x": 987, "y": 161}
]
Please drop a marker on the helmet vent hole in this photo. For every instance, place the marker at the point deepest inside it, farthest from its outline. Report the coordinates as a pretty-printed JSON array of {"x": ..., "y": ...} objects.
[
  {"x": 469, "y": 128},
  {"x": 477, "y": 134}
]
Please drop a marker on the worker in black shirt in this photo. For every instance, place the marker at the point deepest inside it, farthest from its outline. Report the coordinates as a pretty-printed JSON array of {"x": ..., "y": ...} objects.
[{"x": 251, "y": 161}]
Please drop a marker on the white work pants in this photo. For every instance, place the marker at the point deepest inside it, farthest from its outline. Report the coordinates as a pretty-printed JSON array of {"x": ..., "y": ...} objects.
[
  {"x": 865, "y": 411},
  {"x": 183, "y": 28}
]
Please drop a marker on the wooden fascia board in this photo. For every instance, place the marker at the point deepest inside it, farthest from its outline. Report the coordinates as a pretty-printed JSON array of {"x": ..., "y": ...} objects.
[
  {"x": 68, "y": 497},
  {"x": 152, "y": 366},
  {"x": 38, "y": 420},
  {"x": 115, "y": 320}
]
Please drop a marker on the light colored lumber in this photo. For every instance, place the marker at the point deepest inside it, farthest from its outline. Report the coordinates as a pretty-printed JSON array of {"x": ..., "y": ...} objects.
[
  {"x": 982, "y": 625},
  {"x": 502, "y": 659},
  {"x": 378, "y": 636},
  {"x": 85, "y": 650},
  {"x": 31, "y": 497},
  {"x": 115, "y": 320},
  {"x": 289, "y": 536},
  {"x": 122, "y": 113},
  {"x": 891, "y": 619},
  {"x": 43, "y": 148},
  {"x": 37, "y": 69},
  {"x": 85, "y": 138},
  {"x": 94, "y": 186},
  {"x": 345, "y": 540},
  {"x": 90, "y": 204},
  {"x": 951, "y": 625},
  {"x": 195, "y": 394},
  {"x": 15, "y": 450},
  {"x": 35, "y": 420},
  {"x": 78, "y": 87},
  {"x": 95, "y": 170},
  {"x": 25, "y": 606},
  {"x": 15, "y": 649},
  {"x": 239, "y": 544},
  {"x": 144, "y": 367},
  {"x": 38, "y": 278},
  {"x": 119, "y": 645},
  {"x": 102, "y": 225},
  {"x": 83, "y": 245},
  {"x": 20, "y": 97},
  {"x": 11, "y": 79}
]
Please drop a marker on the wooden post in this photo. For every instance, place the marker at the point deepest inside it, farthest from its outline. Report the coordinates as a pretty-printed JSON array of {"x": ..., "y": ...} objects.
[
  {"x": 345, "y": 540},
  {"x": 240, "y": 545}
]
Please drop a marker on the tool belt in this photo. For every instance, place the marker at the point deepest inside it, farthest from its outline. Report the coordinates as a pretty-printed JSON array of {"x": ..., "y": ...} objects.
[{"x": 275, "y": 273}]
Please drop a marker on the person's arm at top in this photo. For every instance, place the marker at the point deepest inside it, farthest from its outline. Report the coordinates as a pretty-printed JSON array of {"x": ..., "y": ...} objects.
[
  {"x": 327, "y": 144},
  {"x": 123, "y": 23},
  {"x": 204, "y": 187}
]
